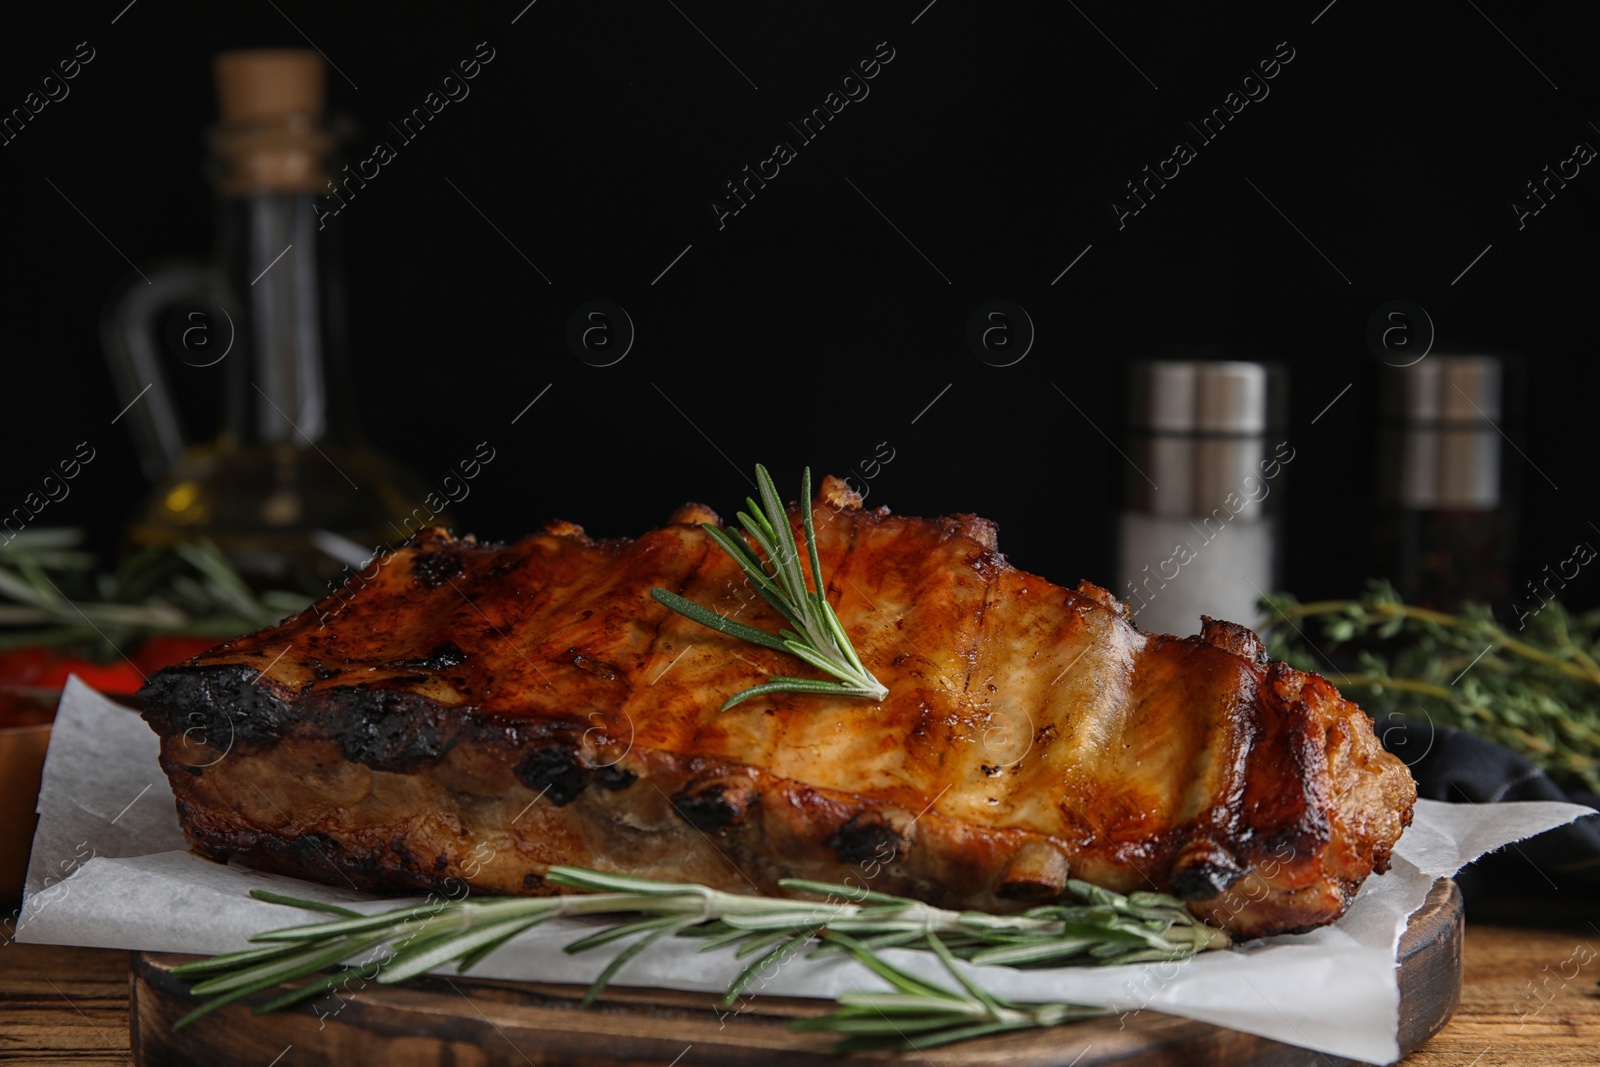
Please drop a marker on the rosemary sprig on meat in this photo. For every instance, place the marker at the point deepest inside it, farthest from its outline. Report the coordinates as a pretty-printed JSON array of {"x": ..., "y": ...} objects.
[
  {"x": 1536, "y": 690},
  {"x": 817, "y": 636},
  {"x": 392, "y": 946}
]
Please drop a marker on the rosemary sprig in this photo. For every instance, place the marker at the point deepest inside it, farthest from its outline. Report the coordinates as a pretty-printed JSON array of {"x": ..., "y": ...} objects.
[
  {"x": 50, "y": 594},
  {"x": 392, "y": 946},
  {"x": 919, "y": 1013},
  {"x": 817, "y": 636},
  {"x": 1536, "y": 691}
]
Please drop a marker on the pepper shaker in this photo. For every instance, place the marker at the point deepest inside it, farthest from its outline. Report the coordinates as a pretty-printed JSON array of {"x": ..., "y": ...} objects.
[{"x": 1446, "y": 527}]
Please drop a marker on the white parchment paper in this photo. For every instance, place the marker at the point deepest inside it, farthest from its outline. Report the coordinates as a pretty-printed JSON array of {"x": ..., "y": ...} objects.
[{"x": 110, "y": 869}]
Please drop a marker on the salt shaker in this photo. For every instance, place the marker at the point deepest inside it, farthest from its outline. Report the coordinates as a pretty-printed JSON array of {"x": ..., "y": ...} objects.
[{"x": 1200, "y": 528}]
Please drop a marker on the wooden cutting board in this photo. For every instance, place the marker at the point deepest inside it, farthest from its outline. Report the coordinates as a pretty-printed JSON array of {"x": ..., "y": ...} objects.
[{"x": 438, "y": 1021}]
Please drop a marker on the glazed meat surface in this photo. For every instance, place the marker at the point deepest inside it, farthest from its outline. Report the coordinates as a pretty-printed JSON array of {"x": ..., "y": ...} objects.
[{"x": 462, "y": 716}]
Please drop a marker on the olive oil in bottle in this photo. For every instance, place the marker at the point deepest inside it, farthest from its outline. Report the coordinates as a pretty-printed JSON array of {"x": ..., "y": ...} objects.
[{"x": 270, "y": 332}]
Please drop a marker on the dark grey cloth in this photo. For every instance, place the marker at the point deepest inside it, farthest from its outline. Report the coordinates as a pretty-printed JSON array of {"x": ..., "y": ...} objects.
[{"x": 1453, "y": 765}]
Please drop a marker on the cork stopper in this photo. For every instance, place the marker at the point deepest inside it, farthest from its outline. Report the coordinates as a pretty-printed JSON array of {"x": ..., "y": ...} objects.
[
  {"x": 269, "y": 85},
  {"x": 270, "y": 138}
]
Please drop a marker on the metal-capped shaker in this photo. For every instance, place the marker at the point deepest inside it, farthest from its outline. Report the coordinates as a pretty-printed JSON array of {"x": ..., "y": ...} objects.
[
  {"x": 1446, "y": 524},
  {"x": 1200, "y": 529}
]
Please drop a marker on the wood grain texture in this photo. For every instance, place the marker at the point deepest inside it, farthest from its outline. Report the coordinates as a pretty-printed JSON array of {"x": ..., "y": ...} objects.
[
  {"x": 1517, "y": 1007},
  {"x": 39, "y": 1025},
  {"x": 64, "y": 1005}
]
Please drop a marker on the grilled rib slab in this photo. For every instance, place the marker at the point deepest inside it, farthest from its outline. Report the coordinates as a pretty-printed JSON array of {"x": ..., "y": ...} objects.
[{"x": 462, "y": 716}]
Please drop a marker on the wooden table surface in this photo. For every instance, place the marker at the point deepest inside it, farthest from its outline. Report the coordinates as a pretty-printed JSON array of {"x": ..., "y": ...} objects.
[{"x": 1530, "y": 999}]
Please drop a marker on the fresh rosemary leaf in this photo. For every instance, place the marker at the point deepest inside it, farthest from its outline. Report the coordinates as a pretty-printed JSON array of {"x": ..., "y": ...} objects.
[
  {"x": 721, "y": 623},
  {"x": 785, "y": 684},
  {"x": 623, "y": 886},
  {"x": 254, "y": 980},
  {"x": 294, "y": 965},
  {"x": 476, "y": 956},
  {"x": 750, "y": 564},
  {"x": 821, "y": 662},
  {"x": 217, "y": 1002},
  {"x": 611, "y": 882},
  {"x": 232, "y": 961},
  {"x": 422, "y": 958},
  {"x": 955, "y": 972},
  {"x": 622, "y": 958},
  {"x": 810, "y": 526},
  {"x": 1094, "y": 894},
  {"x": 854, "y": 894},
  {"x": 918, "y": 1020},
  {"x": 879, "y": 1025},
  {"x": 720, "y": 938},
  {"x": 910, "y": 1003},
  {"x": 748, "y": 975},
  {"x": 817, "y": 637},
  {"x": 307, "y": 905},
  {"x": 757, "y": 941},
  {"x": 616, "y": 933},
  {"x": 1032, "y": 952},
  {"x": 885, "y": 911},
  {"x": 1145, "y": 899},
  {"x": 901, "y": 980},
  {"x": 1151, "y": 955},
  {"x": 353, "y": 926},
  {"x": 893, "y": 939},
  {"x": 967, "y": 1033},
  {"x": 342, "y": 977}
]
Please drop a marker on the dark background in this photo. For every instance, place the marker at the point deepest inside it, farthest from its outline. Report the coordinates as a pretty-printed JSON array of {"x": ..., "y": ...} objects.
[{"x": 808, "y": 330}]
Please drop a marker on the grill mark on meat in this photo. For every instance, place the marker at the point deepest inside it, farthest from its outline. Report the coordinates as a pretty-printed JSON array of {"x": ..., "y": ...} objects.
[
  {"x": 445, "y": 654},
  {"x": 433, "y": 569},
  {"x": 1201, "y": 881},
  {"x": 599, "y": 668},
  {"x": 614, "y": 778},
  {"x": 222, "y": 703},
  {"x": 867, "y": 836},
  {"x": 713, "y": 806},
  {"x": 555, "y": 771},
  {"x": 990, "y": 581},
  {"x": 390, "y": 730}
]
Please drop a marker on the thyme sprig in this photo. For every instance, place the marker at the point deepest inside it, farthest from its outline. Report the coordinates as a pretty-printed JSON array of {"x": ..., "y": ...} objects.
[
  {"x": 817, "y": 636},
  {"x": 392, "y": 946},
  {"x": 1536, "y": 691}
]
